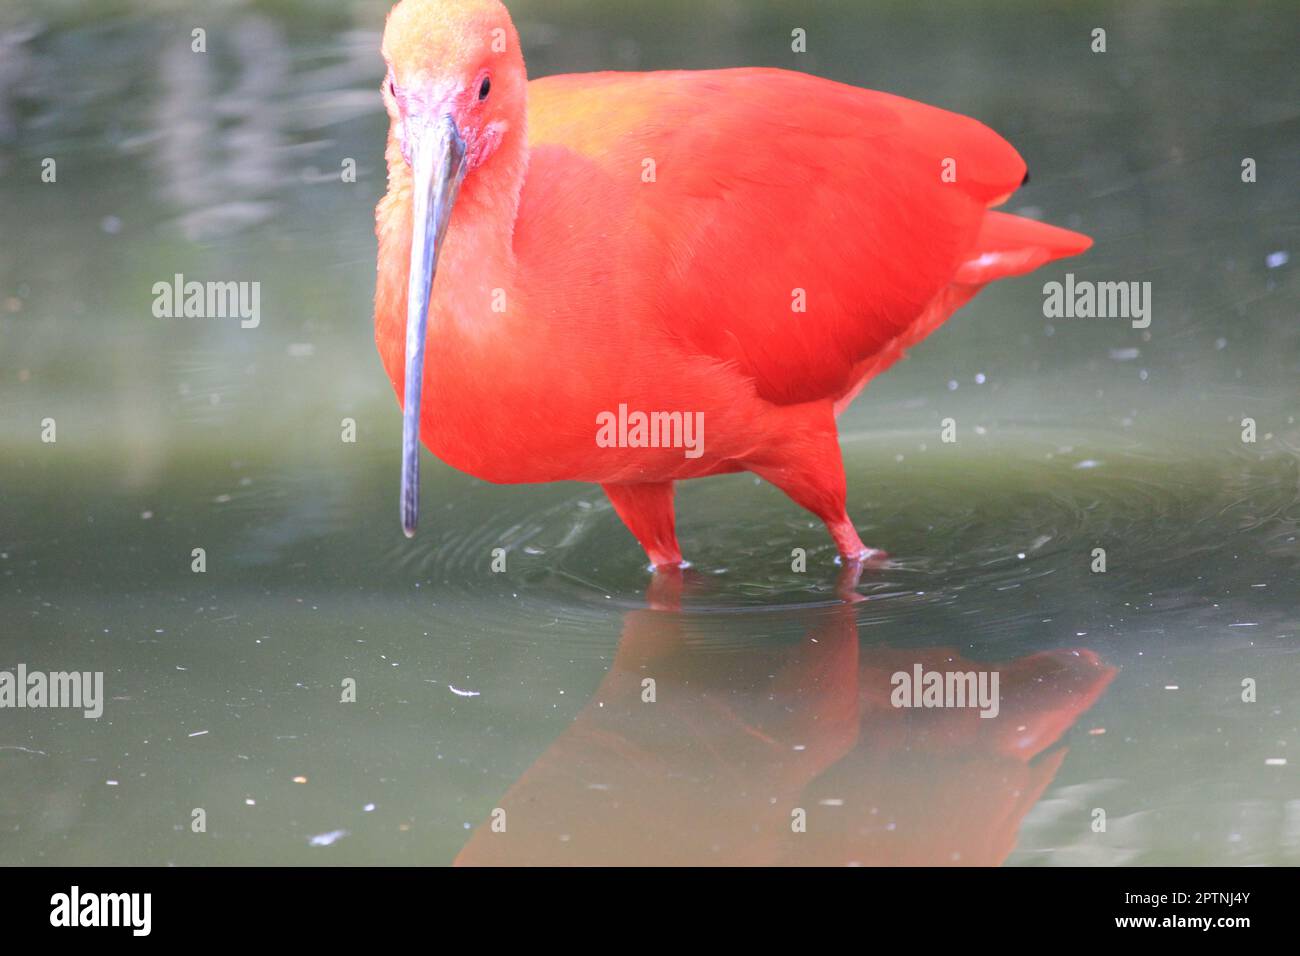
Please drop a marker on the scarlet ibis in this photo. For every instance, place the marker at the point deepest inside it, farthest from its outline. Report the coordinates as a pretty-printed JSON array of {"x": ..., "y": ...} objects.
[{"x": 647, "y": 277}]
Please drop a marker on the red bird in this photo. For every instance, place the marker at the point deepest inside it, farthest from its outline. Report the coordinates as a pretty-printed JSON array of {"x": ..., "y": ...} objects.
[{"x": 646, "y": 277}]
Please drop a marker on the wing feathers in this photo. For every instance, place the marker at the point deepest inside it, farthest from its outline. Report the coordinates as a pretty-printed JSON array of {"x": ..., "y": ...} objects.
[{"x": 793, "y": 227}]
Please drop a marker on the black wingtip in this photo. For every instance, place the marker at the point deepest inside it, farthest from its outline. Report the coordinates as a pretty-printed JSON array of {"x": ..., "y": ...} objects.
[{"x": 1025, "y": 181}]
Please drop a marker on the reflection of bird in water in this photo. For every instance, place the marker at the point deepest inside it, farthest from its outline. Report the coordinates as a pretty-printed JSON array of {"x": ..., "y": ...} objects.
[{"x": 713, "y": 770}]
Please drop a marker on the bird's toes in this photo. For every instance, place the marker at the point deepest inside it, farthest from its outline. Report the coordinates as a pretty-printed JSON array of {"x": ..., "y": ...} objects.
[
  {"x": 660, "y": 566},
  {"x": 867, "y": 558}
]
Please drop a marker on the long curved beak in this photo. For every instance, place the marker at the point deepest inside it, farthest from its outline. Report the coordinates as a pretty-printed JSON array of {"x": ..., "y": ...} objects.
[{"x": 437, "y": 157}]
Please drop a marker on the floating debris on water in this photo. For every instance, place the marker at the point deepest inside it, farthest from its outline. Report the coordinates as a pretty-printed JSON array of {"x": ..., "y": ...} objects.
[{"x": 328, "y": 839}]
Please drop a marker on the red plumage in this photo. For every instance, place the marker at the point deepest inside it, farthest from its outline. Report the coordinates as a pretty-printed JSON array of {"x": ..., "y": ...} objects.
[{"x": 652, "y": 240}]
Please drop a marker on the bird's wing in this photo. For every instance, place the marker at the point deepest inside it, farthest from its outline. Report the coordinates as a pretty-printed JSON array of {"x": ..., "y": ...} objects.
[{"x": 790, "y": 225}]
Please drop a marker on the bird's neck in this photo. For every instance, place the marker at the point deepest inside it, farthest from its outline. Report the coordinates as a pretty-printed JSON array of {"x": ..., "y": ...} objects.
[
  {"x": 488, "y": 203},
  {"x": 475, "y": 283}
]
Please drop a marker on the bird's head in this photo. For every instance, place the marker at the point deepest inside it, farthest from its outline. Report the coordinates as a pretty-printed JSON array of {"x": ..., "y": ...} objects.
[
  {"x": 453, "y": 65},
  {"x": 455, "y": 93}
]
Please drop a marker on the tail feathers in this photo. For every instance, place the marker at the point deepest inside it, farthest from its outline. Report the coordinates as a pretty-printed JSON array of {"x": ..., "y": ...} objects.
[
  {"x": 1012, "y": 245},
  {"x": 1006, "y": 246}
]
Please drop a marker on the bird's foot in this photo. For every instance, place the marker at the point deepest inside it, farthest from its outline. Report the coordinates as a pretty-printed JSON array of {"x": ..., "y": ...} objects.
[
  {"x": 670, "y": 585},
  {"x": 872, "y": 558},
  {"x": 660, "y": 562},
  {"x": 851, "y": 548},
  {"x": 868, "y": 559}
]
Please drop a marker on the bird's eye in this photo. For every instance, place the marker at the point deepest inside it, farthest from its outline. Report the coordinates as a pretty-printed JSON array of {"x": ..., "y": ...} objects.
[
  {"x": 484, "y": 88},
  {"x": 392, "y": 86}
]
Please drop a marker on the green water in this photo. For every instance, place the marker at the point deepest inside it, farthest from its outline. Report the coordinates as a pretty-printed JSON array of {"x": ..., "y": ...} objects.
[{"x": 1121, "y": 691}]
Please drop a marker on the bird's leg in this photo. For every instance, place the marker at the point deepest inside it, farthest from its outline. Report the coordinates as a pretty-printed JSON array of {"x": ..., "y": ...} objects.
[
  {"x": 810, "y": 470},
  {"x": 647, "y": 510},
  {"x": 816, "y": 493}
]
